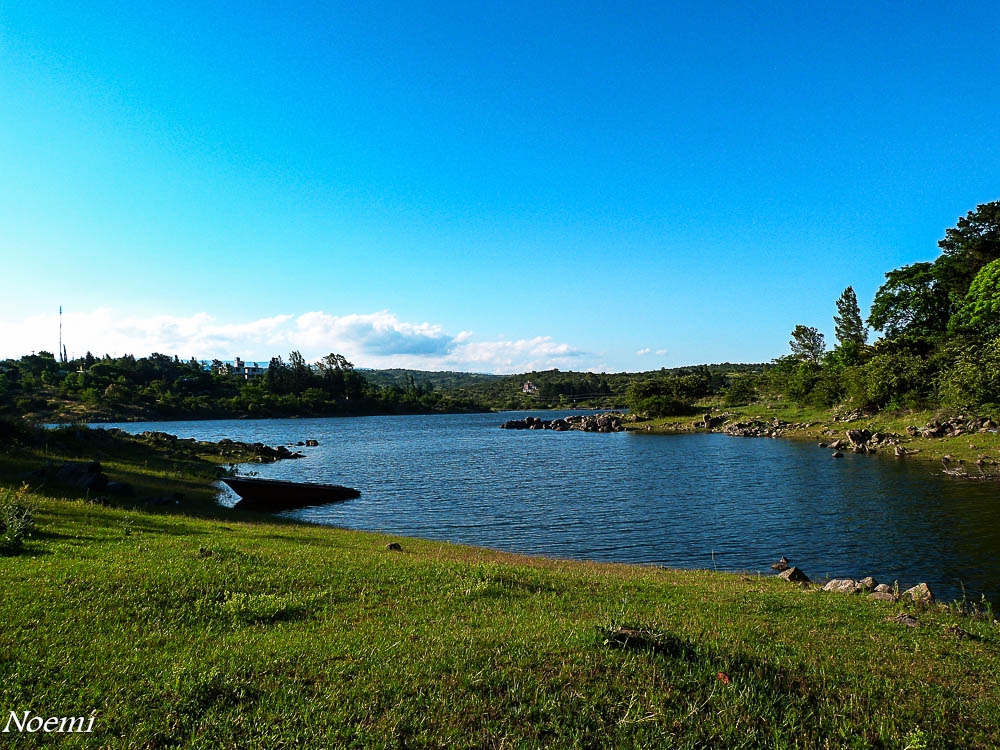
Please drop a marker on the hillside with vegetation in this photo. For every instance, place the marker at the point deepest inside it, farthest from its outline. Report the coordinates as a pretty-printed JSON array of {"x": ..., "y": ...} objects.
[{"x": 41, "y": 388}]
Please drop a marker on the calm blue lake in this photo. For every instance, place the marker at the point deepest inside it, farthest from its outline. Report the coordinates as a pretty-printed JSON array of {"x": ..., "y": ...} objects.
[{"x": 687, "y": 501}]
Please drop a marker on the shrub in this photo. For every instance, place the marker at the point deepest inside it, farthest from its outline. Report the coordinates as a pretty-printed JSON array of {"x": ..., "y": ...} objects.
[
  {"x": 972, "y": 379},
  {"x": 894, "y": 380},
  {"x": 16, "y": 519}
]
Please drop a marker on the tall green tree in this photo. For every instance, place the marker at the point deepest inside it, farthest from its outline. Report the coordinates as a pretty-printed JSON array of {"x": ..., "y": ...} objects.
[
  {"x": 968, "y": 246},
  {"x": 848, "y": 325},
  {"x": 913, "y": 301},
  {"x": 807, "y": 343},
  {"x": 849, "y": 328},
  {"x": 299, "y": 372},
  {"x": 979, "y": 314}
]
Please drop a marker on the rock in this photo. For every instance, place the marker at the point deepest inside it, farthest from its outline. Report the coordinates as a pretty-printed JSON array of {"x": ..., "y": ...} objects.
[
  {"x": 883, "y": 588},
  {"x": 312, "y": 443},
  {"x": 904, "y": 619},
  {"x": 836, "y": 445},
  {"x": 868, "y": 583},
  {"x": 610, "y": 422},
  {"x": 794, "y": 575},
  {"x": 843, "y": 586},
  {"x": 514, "y": 424},
  {"x": 394, "y": 547},
  {"x": 882, "y": 596},
  {"x": 920, "y": 593},
  {"x": 859, "y": 438},
  {"x": 86, "y": 476},
  {"x": 837, "y": 454},
  {"x": 782, "y": 564}
]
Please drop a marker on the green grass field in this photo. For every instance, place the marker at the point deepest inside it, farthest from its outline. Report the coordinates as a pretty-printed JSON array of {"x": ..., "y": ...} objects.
[{"x": 199, "y": 627}]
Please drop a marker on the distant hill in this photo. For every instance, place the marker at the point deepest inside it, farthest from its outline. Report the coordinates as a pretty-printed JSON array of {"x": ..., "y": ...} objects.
[
  {"x": 555, "y": 388},
  {"x": 439, "y": 381}
]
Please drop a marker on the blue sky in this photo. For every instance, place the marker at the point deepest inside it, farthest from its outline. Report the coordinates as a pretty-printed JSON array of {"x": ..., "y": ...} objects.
[{"x": 478, "y": 186}]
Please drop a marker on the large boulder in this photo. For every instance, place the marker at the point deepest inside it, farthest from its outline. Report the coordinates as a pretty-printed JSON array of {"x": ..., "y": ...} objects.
[
  {"x": 920, "y": 593},
  {"x": 86, "y": 476},
  {"x": 794, "y": 575},
  {"x": 514, "y": 424},
  {"x": 843, "y": 586}
]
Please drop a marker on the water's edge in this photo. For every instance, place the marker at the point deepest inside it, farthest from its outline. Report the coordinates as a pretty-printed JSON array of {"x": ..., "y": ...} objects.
[{"x": 699, "y": 500}]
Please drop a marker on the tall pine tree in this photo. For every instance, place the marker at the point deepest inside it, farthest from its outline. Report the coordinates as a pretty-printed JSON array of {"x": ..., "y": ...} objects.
[{"x": 849, "y": 328}]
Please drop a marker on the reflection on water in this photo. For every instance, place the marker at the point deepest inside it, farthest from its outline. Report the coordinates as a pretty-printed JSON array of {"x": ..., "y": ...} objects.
[{"x": 689, "y": 501}]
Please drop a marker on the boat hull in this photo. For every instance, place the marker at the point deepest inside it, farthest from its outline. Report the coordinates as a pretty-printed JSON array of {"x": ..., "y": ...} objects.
[{"x": 273, "y": 495}]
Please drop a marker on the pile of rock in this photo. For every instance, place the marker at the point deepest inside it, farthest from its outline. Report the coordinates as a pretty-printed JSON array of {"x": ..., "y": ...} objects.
[
  {"x": 851, "y": 416},
  {"x": 610, "y": 422},
  {"x": 864, "y": 441},
  {"x": 708, "y": 422},
  {"x": 875, "y": 590},
  {"x": 265, "y": 454},
  {"x": 953, "y": 427},
  {"x": 758, "y": 428}
]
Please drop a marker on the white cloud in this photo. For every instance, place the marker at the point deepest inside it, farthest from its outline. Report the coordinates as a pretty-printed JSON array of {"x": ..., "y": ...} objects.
[
  {"x": 523, "y": 355},
  {"x": 378, "y": 339},
  {"x": 643, "y": 352}
]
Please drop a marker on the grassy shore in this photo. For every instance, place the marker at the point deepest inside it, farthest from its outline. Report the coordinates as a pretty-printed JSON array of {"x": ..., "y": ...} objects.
[
  {"x": 186, "y": 625},
  {"x": 819, "y": 425}
]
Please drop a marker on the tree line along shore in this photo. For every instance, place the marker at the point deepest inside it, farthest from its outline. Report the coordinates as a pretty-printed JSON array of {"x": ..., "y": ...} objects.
[{"x": 937, "y": 349}]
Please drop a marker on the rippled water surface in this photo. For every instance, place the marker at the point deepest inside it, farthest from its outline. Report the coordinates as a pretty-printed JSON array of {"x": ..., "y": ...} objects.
[{"x": 689, "y": 501}]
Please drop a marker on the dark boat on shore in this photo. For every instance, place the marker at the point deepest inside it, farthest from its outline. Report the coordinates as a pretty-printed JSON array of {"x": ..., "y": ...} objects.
[{"x": 273, "y": 495}]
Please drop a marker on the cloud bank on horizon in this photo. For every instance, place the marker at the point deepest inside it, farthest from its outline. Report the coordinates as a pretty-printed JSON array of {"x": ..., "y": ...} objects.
[{"x": 370, "y": 340}]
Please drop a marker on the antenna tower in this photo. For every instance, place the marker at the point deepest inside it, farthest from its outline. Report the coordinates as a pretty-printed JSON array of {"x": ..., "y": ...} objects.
[{"x": 62, "y": 356}]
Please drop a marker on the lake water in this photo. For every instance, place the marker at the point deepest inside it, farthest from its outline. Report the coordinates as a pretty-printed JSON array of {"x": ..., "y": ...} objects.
[{"x": 686, "y": 501}]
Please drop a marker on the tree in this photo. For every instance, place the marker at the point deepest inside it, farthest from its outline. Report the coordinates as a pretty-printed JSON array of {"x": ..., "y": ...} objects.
[
  {"x": 912, "y": 301},
  {"x": 335, "y": 371},
  {"x": 807, "y": 343},
  {"x": 300, "y": 374},
  {"x": 849, "y": 328},
  {"x": 278, "y": 377},
  {"x": 973, "y": 377},
  {"x": 968, "y": 246},
  {"x": 980, "y": 310}
]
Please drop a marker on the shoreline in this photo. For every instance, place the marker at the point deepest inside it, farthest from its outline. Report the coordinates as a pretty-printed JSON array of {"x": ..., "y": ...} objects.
[{"x": 970, "y": 456}]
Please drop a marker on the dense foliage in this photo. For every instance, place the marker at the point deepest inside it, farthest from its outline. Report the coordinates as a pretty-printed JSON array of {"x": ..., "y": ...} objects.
[
  {"x": 163, "y": 387},
  {"x": 159, "y": 386},
  {"x": 940, "y": 326}
]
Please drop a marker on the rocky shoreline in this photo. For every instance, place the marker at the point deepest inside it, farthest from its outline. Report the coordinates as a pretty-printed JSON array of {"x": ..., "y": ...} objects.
[
  {"x": 608, "y": 422},
  {"x": 868, "y": 585},
  {"x": 864, "y": 441}
]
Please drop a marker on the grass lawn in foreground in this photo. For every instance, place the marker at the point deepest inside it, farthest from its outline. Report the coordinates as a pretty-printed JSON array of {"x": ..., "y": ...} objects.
[{"x": 182, "y": 628}]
